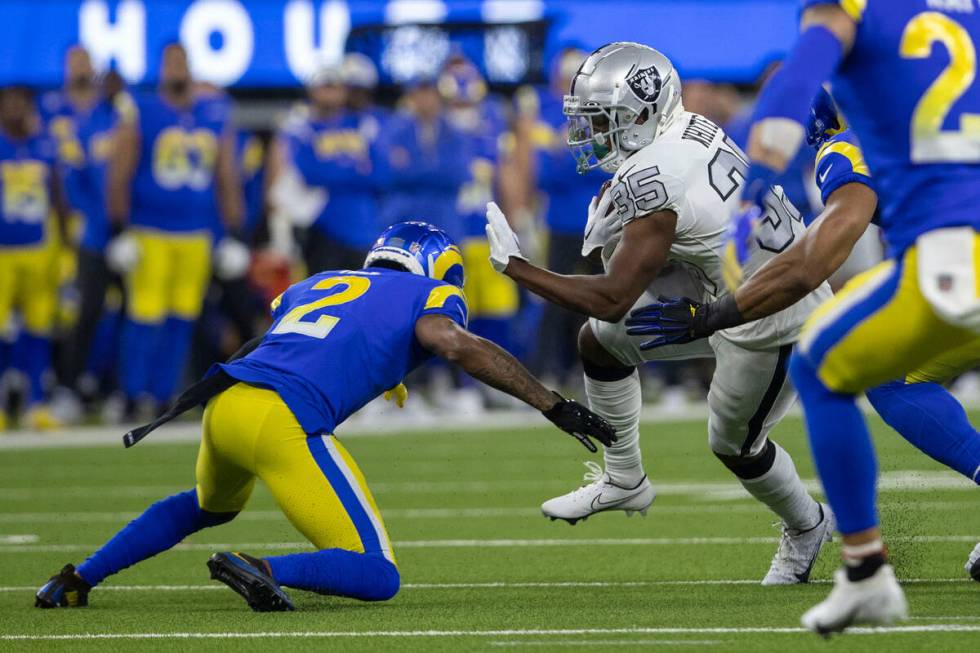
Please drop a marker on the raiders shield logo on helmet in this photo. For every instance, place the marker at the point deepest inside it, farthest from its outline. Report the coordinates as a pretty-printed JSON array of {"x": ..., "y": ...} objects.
[{"x": 645, "y": 84}]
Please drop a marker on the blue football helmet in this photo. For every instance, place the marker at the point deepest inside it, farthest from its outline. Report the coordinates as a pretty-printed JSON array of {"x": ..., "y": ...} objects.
[
  {"x": 825, "y": 121},
  {"x": 420, "y": 248}
]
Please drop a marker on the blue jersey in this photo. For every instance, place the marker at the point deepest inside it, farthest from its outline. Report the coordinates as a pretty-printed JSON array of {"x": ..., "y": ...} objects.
[
  {"x": 339, "y": 339},
  {"x": 83, "y": 139},
  {"x": 335, "y": 155},
  {"x": 907, "y": 90},
  {"x": 26, "y": 166},
  {"x": 250, "y": 153},
  {"x": 426, "y": 169},
  {"x": 173, "y": 189}
]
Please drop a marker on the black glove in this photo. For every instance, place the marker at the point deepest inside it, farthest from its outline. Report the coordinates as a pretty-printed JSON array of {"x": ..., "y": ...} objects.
[
  {"x": 577, "y": 420},
  {"x": 679, "y": 320}
]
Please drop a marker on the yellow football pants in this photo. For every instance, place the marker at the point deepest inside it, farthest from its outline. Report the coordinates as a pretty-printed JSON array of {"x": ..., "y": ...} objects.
[
  {"x": 29, "y": 285},
  {"x": 880, "y": 328},
  {"x": 171, "y": 276},
  {"x": 488, "y": 294},
  {"x": 250, "y": 433}
]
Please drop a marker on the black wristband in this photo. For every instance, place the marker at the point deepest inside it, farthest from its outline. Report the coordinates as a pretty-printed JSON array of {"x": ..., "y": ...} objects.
[{"x": 718, "y": 315}]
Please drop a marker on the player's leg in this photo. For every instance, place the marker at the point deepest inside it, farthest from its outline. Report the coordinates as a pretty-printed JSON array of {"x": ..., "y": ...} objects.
[
  {"x": 37, "y": 299},
  {"x": 322, "y": 492},
  {"x": 750, "y": 392},
  {"x": 147, "y": 297},
  {"x": 223, "y": 488},
  {"x": 612, "y": 385},
  {"x": 877, "y": 329},
  {"x": 7, "y": 275},
  {"x": 191, "y": 260}
]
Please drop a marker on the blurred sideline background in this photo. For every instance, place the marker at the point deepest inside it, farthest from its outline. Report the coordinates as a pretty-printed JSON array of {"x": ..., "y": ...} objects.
[{"x": 169, "y": 167}]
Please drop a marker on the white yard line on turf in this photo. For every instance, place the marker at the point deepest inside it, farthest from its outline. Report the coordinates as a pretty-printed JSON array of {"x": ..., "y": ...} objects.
[
  {"x": 606, "y": 642},
  {"x": 923, "y": 628},
  {"x": 59, "y": 516},
  {"x": 484, "y": 544},
  {"x": 904, "y": 480},
  {"x": 614, "y": 584}
]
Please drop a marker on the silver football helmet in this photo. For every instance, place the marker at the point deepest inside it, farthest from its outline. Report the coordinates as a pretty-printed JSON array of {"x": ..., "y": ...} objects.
[{"x": 621, "y": 99}]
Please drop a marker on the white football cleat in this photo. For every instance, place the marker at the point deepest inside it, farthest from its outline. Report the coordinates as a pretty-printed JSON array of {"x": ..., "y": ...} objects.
[
  {"x": 599, "y": 495},
  {"x": 878, "y": 600},
  {"x": 798, "y": 551},
  {"x": 973, "y": 564}
]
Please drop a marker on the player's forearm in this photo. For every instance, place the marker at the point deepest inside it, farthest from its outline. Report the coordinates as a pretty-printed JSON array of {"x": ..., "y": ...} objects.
[
  {"x": 810, "y": 261},
  {"x": 486, "y": 362},
  {"x": 591, "y": 295}
]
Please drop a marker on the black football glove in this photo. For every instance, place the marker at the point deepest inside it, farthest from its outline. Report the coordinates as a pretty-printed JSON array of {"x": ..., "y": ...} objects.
[
  {"x": 577, "y": 420},
  {"x": 679, "y": 320}
]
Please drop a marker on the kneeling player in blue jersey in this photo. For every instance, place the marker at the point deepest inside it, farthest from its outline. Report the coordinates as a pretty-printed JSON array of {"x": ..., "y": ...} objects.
[{"x": 339, "y": 339}]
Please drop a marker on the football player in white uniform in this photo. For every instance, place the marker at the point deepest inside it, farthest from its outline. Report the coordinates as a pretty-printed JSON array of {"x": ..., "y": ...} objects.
[{"x": 660, "y": 224}]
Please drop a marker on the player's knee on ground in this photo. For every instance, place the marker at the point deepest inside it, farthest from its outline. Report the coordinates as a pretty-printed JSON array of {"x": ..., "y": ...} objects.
[{"x": 598, "y": 363}]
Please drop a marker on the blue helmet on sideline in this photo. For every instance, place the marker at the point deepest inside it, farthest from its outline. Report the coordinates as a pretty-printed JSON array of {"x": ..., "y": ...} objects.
[
  {"x": 420, "y": 248},
  {"x": 824, "y": 121}
]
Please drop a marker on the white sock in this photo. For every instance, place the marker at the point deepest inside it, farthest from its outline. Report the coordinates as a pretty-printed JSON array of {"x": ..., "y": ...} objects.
[
  {"x": 620, "y": 403},
  {"x": 782, "y": 490}
]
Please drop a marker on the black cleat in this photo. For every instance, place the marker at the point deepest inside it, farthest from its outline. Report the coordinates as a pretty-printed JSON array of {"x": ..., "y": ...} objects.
[
  {"x": 66, "y": 589},
  {"x": 252, "y": 579}
]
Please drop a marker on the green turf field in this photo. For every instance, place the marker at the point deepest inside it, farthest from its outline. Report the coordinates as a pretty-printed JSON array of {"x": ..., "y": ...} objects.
[{"x": 481, "y": 569}]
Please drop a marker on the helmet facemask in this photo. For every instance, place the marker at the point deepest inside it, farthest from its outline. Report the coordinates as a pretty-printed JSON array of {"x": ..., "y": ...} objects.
[{"x": 594, "y": 133}]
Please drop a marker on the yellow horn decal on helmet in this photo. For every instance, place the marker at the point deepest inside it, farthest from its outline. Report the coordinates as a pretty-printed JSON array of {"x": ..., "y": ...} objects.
[{"x": 446, "y": 260}]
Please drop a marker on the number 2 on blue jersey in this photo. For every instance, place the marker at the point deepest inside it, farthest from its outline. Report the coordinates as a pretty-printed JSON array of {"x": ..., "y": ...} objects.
[
  {"x": 292, "y": 322},
  {"x": 929, "y": 143}
]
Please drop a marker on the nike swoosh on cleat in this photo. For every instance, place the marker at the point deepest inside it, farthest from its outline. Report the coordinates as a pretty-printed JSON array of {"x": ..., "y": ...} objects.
[{"x": 607, "y": 505}]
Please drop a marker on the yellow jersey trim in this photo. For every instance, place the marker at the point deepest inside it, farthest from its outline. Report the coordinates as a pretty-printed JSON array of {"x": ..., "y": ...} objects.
[
  {"x": 850, "y": 152},
  {"x": 441, "y": 294}
]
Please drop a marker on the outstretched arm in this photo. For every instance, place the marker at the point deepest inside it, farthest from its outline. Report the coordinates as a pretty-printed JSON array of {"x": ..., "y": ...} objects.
[
  {"x": 780, "y": 283},
  {"x": 825, "y": 245},
  {"x": 637, "y": 261},
  {"x": 492, "y": 365},
  {"x": 482, "y": 359}
]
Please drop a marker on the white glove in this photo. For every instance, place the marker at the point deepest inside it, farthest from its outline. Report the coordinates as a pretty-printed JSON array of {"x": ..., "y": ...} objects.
[
  {"x": 503, "y": 241},
  {"x": 295, "y": 199},
  {"x": 122, "y": 253},
  {"x": 598, "y": 229},
  {"x": 231, "y": 259}
]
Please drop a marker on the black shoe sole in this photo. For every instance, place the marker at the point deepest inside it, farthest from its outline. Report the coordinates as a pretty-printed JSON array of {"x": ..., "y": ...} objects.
[{"x": 262, "y": 595}]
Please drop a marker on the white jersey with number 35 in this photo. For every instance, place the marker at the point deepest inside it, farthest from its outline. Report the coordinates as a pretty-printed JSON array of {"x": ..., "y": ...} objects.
[{"x": 695, "y": 170}]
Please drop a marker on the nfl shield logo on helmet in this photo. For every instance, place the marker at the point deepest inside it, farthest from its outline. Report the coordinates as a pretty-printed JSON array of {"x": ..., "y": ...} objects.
[{"x": 645, "y": 84}]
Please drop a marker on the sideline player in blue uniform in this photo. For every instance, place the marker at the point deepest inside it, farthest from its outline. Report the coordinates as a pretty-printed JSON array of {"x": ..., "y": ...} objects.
[
  {"x": 338, "y": 340},
  {"x": 173, "y": 159},
  {"x": 30, "y": 192},
  {"x": 80, "y": 119},
  {"x": 903, "y": 75}
]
